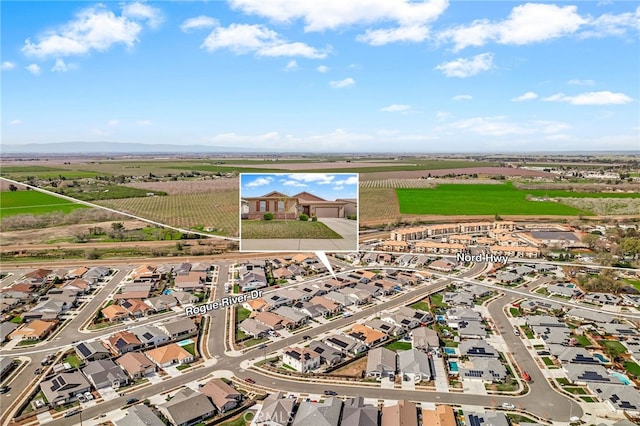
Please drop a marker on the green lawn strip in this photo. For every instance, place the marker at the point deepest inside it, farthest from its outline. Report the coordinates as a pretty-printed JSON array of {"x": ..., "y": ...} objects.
[
  {"x": 547, "y": 361},
  {"x": 191, "y": 348},
  {"x": 436, "y": 300},
  {"x": 242, "y": 314},
  {"x": 293, "y": 229},
  {"x": 613, "y": 345},
  {"x": 483, "y": 199},
  {"x": 576, "y": 391},
  {"x": 423, "y": 306},
  {"x": 515, "y": 312},
  {"x": 634, "y": 283},
  {"x": 73, "y": 360},
  {"x": 182, "y": 367},
  {"x": 288, "y": 367},
  {"x": 254, "y": 341},
  {"x": 583, "y": 341},
  {"x": 588, "y": 399},
  {"x": 632, "y": 368},
  {"x": 398, "y": 346}
]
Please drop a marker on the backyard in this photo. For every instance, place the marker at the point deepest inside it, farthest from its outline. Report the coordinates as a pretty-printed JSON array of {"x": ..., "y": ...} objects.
[{"x": 279, "y": 229}]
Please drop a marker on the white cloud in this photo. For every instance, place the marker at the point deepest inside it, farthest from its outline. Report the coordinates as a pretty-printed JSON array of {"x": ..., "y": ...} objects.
[
  {"x": 292, "y": 65},
  {"x": 462, "y": 97},
  {"x": 538, "y": 22},
  {"x": 93, "y": 29},
  {"x": 396, "y": 108},
  {"x": 380, "y": 37},
  {"x": 15, "y": 122},
  {"x": 199, "y": 22},
  {"x": 61, "y": 66},
  {"x": 6, "y": 65},
  {"x": 341, "y": 84},
  {"x": 112, "y": 123},
  {"x": 591, "y": 98},
  {"x": 442, "y": 115},
  {"x": 143, "y": 11},
  {"x": 500, "y": 126},
  {"x": 322, "y": 68},
  {"x": 338, "y": 188},
  {"x": 351, "y": 180},
  {"x": 245, "y": 38},
  {"x": 144, "y": 123},
  {"x": 294, "y": 183},
  {"x": 577, "y": 82},
  {"x": 336, "y": 14},
  {"x": 262, "y": 181},
  {"x": 33, "y": 69},
  {"x": 525, "y": 97},
  {"x": 467, "y": 67},
  {"x": 319, "y": 178}
]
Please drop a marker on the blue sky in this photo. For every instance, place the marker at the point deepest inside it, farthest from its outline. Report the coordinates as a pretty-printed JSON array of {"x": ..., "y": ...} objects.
[
  {"x": 324, "y": 185},
  {"x": 324, "y": 76}
]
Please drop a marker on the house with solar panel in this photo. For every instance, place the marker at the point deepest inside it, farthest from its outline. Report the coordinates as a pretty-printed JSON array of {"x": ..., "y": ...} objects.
[{"x": 63, "y": 387}]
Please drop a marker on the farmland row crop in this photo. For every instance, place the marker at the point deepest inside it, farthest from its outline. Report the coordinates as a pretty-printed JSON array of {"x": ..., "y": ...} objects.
[
  {"x": 217, "y": 210},
  {"x": 378, "y": 204}
]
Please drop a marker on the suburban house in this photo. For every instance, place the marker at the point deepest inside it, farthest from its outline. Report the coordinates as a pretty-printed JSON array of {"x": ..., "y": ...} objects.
[
  {"x": 290, "y": 207},
  {"x": 187, "y": 407},
  {"x": 136, "y": 365},
  {"x": 325, "y": 413},
  {"x": 367, "y": 335},
  {"x": 404, "y": 413},
  {"x": 123, "y": 342},
  {"x": 139, "y": 415},
  {"x": 253, "y": 328},
  {"x": 64, "y": 387},
  {"x": 181, "y": 328},
  {"x": 301, "y": 359},
  {"x": 425, "y": 339},
  {"x": 489, "y": 370},
  {"x": 223, "y": 396},
  {"x": 346, "y": 344},
  {"x": 135, "y": 307},
  {"x": 328, "y": 355},
  {"x": 105, "y": 373},
  {"x": 488, "y": 418},
  {"x": 357, "y": 413},
  {"x": 150, "y": 335},
  {"x": 381, "y": 363},
  {"x": 115, "y": 313},
  {"x": 34, "y": 330},
  {"x": 442, "y": 415},
  {"x": 92, "y": 351},
  {"x": 168, "y": 355},
  {"x": 276, "y": 410},
  {"x": 414, "y": 365},
  {"x": 191, "y": 281}
]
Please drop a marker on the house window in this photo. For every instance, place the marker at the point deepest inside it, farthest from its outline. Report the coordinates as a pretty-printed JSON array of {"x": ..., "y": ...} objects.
[
  {"x": 280, "y": 206},
  {"x": 263, "y": 206}
]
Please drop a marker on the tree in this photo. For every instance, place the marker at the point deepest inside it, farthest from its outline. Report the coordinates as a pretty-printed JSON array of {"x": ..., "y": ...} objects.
[
  {"x": 13, "y": 188},
  {"x": 590, "y": 240}
]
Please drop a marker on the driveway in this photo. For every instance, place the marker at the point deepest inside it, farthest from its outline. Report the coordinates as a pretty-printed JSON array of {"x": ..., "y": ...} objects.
[{"x": 347, "y": 229}]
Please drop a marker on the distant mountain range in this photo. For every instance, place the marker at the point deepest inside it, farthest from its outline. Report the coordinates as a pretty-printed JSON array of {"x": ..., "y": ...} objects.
[{"x": 115, "y": 148}]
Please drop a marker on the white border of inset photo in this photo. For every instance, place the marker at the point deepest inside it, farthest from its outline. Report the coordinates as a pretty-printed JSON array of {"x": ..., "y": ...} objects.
[{"x": 348, "y": 244}]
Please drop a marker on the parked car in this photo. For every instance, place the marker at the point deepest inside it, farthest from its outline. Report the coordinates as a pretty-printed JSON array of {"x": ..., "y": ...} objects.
[
  {"x": 516, "y": 331},
  {"x": 330, "y": 392},
  {"x": 38, "y": 371},
  {"x": 249, "y": 380},
  {"x": 5, "y": 389},
  {"x": 306, "y": 337},
  {"x": 508, "y": 405},
  {"x": 132, "y": 400},
  {"x": 72, "y": 413},
  {"x": 88, "y": 395}
]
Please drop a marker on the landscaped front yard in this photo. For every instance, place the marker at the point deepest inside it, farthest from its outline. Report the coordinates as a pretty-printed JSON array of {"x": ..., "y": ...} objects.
[
  {"x": 614, "y": 347},
  {"x": 292, "y": 229}
]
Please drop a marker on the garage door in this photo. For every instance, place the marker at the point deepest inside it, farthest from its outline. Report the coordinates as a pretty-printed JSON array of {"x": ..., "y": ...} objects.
[{"x": 327, "y": 211}]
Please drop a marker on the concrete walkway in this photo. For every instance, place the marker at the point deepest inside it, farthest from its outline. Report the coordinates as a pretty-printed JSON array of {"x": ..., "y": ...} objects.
[{"x": 347, "y": 229}]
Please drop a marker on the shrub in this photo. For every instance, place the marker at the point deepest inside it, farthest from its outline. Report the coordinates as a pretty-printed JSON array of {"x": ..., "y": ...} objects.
[
  {"x": 314, "y": 219},
  {"x": 303, "y": 217},
  {"x": 268, "y": 216},
  {"x": 352, "y": 216}
]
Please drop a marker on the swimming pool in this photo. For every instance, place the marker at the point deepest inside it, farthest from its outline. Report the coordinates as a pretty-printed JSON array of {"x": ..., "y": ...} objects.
[
  {"x": 167, "y": 291},
  {"x": 600, "y": 358},
  {"x": 449, "y": 351},
  {"x": 440, "y": 318},
  {"x": 185, "y": 342},
  {"x": 453, "y": 366},
  {"x": 624, "y": 379}
]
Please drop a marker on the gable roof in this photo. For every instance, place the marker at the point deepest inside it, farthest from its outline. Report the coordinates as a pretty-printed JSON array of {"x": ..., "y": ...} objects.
[
  {"x": 187, "y": 405},
  {"x": 167, "y": 353},
  {"x": 220, "y": 392},
  {"x": 307, "y": 196}
]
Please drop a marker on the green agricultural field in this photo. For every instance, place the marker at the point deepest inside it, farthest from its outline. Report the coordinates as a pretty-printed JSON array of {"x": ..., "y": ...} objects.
[
  {"x": 261, "y": 229},
  {"x": 33, "y": 202},
  {"x": 454, "y": 199},
  {"x": 43, "y": 172}
]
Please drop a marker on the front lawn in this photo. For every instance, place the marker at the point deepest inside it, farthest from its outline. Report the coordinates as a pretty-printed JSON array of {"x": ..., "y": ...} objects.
[
  {"x": 436, "y": 300},
  {"x": 191, "y": 348},
  {"x": 515, "y": 312},
  {"x": 279, "y": 229},
  {"x": 73, "y": 360},
  {"x": 242, "y": 314},
  {"x": 583, "y": 341},
  {"x": 547, "y": 361},
  {"x": 423, "y": 306}
]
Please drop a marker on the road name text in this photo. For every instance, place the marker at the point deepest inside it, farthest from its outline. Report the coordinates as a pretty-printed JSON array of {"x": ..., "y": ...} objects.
[
  {"x": 483, "y": 257},
  {"x": 224, "y": 302}
]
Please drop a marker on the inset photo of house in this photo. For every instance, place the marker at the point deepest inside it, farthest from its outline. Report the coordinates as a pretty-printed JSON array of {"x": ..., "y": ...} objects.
[{"x": 299, "y": 211}]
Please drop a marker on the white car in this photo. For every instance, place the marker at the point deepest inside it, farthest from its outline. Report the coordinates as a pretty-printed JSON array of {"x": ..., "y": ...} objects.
[
  {"x": 88, "y": 395},
  {"x": 508, "y": 405}
]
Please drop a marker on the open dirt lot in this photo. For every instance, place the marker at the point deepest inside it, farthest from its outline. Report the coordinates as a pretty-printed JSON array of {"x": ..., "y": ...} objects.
[
  {"x": 38, "y": 236},
  {"x": 354, "y": 369},
  {"x": 188, "y": 186}
]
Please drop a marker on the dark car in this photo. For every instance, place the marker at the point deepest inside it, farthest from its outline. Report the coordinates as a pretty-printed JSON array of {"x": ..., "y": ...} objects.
[
  {"x": 306, "y": 337},
  {"x": 249, "y": 380},
  {"x": 5, "y": 389},
  {"x": 38, "y": 371},
  {"x": 330, "y": 392},
  {"x": 132, "y": 400}
]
